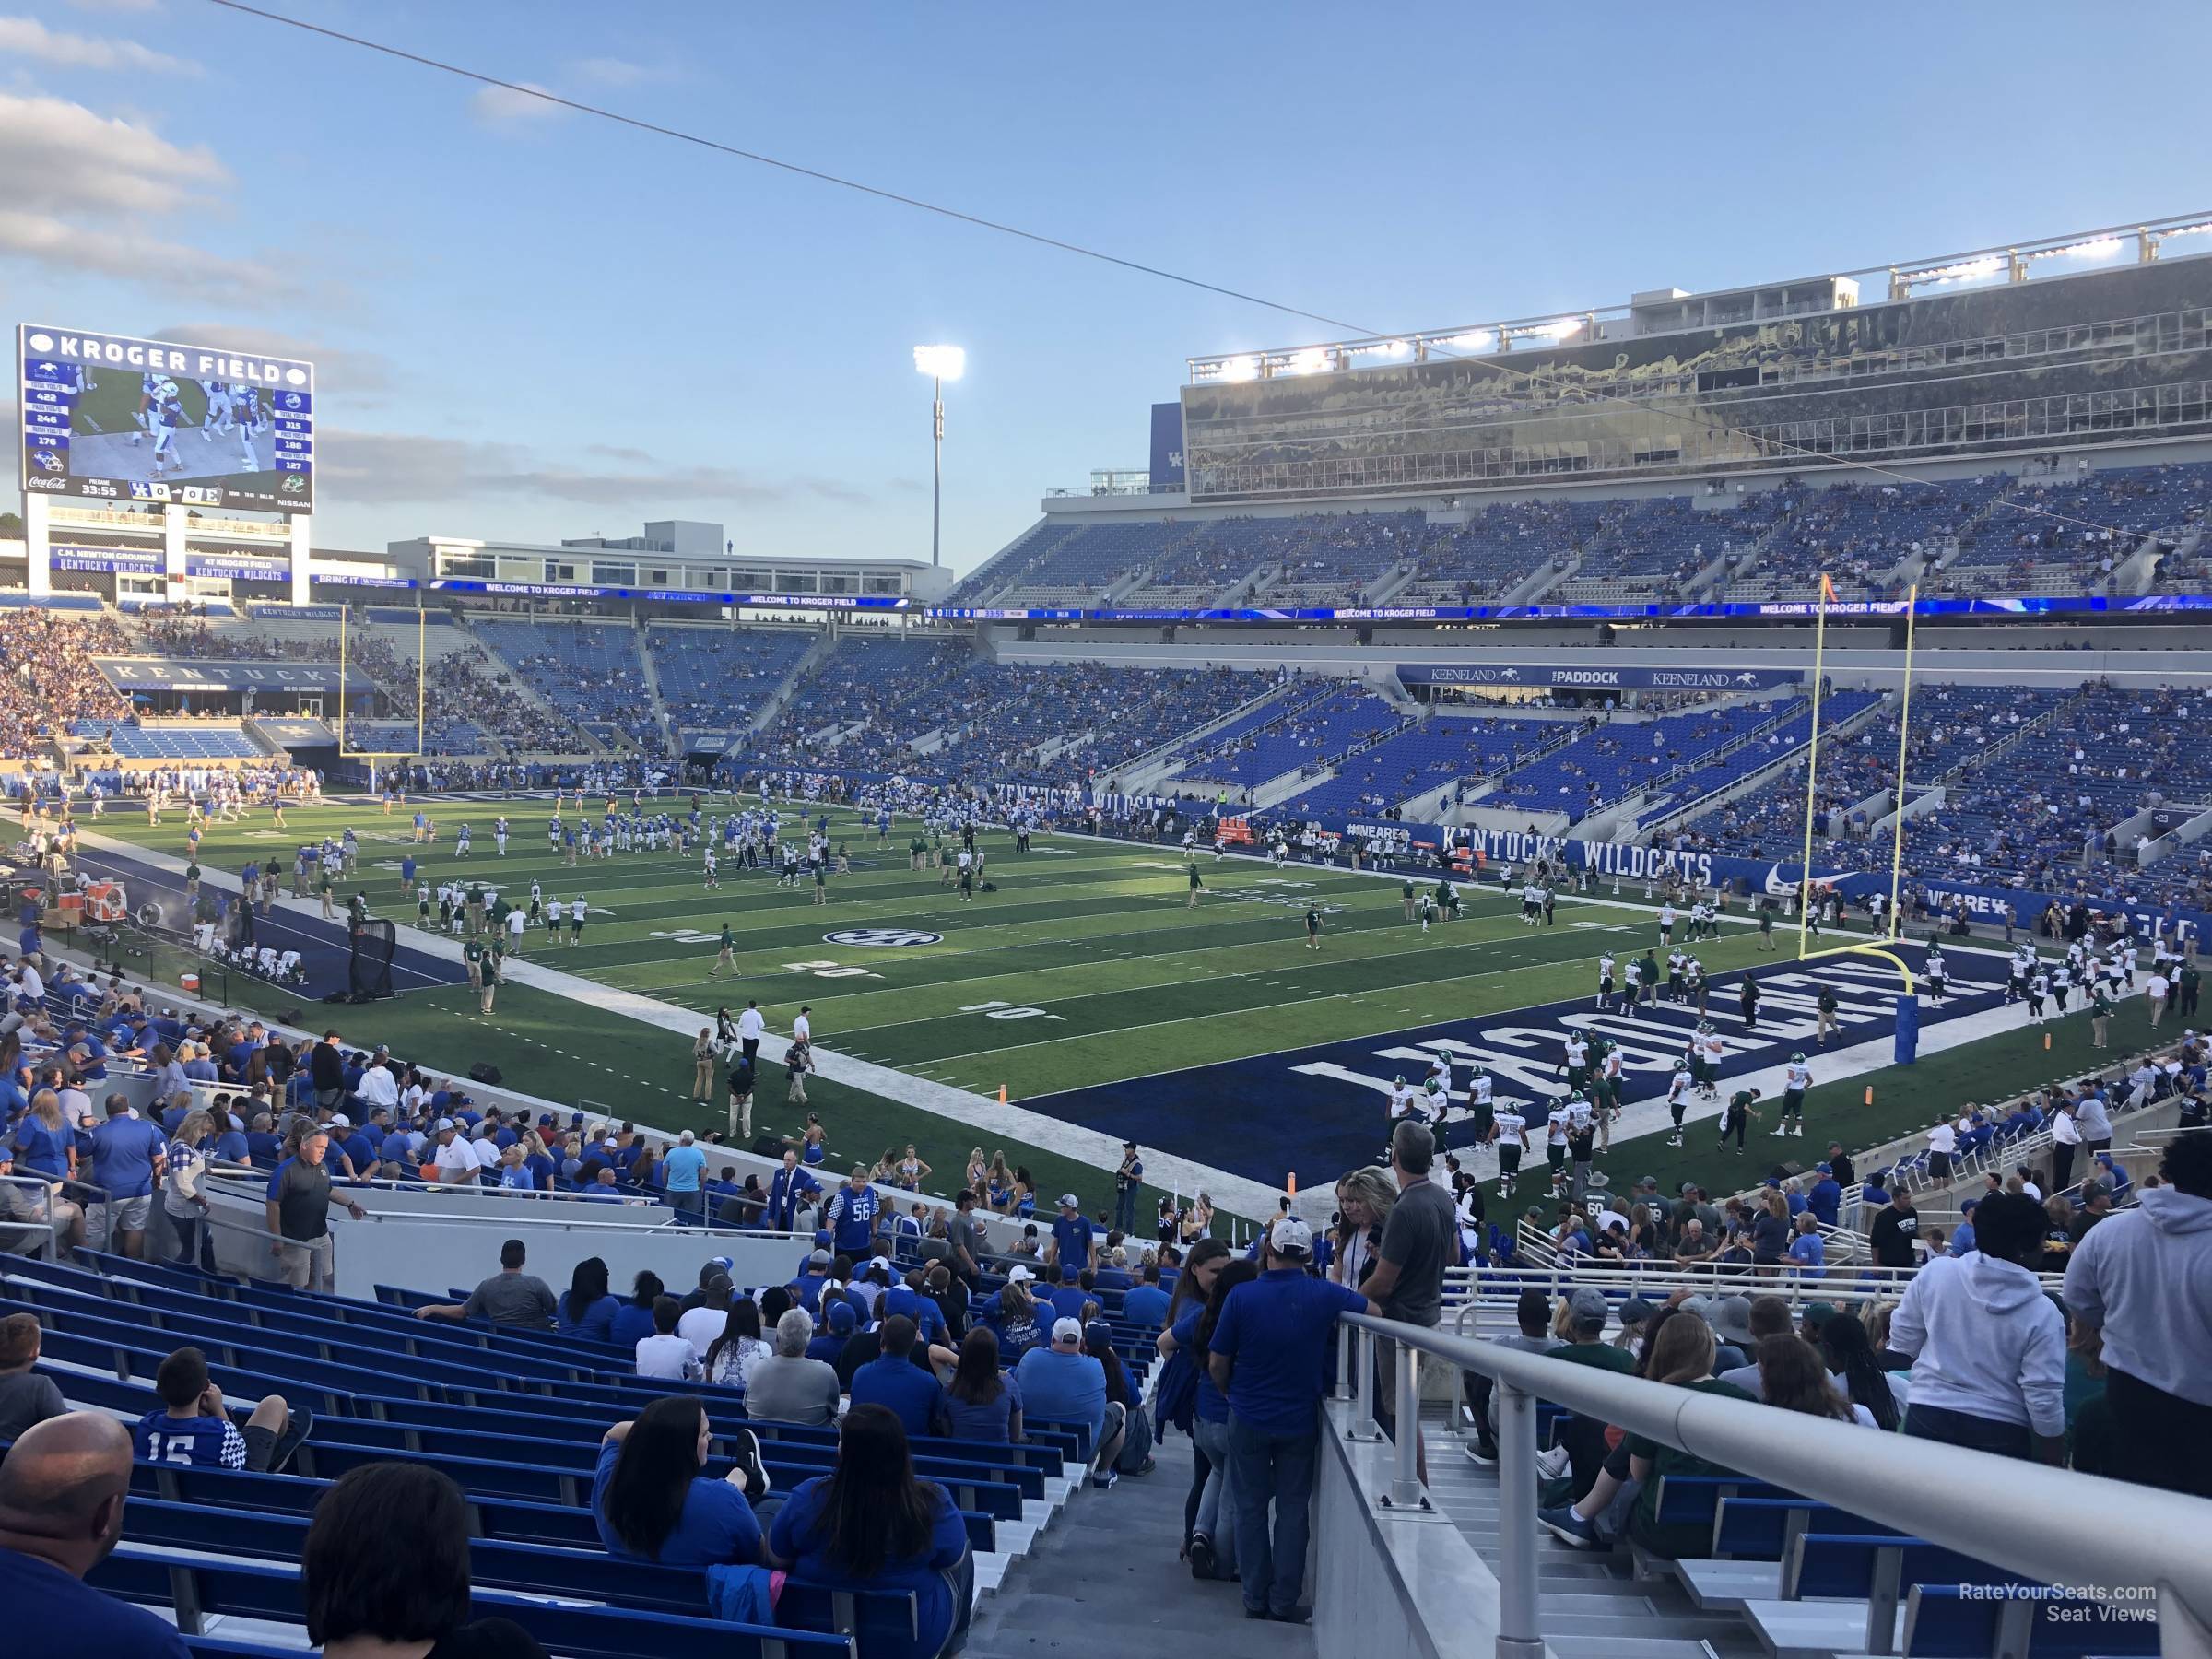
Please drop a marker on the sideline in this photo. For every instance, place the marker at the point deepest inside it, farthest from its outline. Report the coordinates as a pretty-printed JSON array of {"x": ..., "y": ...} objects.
[{"x": 1101, "y": 1151}]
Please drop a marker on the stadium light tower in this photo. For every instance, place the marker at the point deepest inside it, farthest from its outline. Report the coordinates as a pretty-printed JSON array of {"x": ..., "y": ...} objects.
[{"x": 941, "y": 363}]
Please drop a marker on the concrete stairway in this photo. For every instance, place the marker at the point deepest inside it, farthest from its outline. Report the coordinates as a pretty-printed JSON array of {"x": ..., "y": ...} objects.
[
  {"x": 1102, "y": 1581},
  {"x": 1587, "y": 1604}
]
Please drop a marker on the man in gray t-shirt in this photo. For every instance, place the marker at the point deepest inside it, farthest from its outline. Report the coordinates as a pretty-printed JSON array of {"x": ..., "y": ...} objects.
[
  {"x": 787, "y": 1387},
  {"x": 966, "y": 1232},
  {"x": 508, "y": 1297},
  {"x": 1418, "y": 1244}
]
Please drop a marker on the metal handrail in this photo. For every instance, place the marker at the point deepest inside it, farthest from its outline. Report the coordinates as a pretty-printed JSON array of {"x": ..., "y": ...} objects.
[
  {"x": 2118, "y": 1536},
  {"x": 51, "y": 1250}
]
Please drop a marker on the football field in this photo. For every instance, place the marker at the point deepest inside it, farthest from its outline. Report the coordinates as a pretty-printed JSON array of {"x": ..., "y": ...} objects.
[{"x": 1083, "y": 982}]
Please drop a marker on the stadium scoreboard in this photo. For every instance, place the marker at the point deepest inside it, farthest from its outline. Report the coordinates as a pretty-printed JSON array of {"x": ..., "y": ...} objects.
[{"x": 111, "y": 417}]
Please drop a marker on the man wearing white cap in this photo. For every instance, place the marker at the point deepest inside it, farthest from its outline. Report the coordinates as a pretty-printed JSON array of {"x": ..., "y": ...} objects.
[
  {"x": 1267, "y": 1358},
  {"x": 1075, "y": 1240},
  {"x": 1064, "y": 1385},
  {"x": 456, "y": 1164}
]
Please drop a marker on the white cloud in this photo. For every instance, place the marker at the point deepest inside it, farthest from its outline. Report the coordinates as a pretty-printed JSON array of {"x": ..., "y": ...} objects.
[
  {"x": 57, "y": 245},
  {"x": 117, "y": 6},
  {"x": 60, "y": 155},
  {"x": 29, "y": 38},
  {"x": 503, "y": 106},
  {"x": 383, "y": 468},
  {"x": 616, "y": 72}
]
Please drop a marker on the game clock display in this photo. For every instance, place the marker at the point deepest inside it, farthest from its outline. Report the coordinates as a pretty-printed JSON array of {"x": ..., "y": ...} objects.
[{"x": 116, "y": 418}]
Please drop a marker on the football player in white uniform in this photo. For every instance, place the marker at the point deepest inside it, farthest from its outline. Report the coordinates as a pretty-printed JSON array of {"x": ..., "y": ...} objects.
[
  {"x": 217, "y": 418},
  {"x": 1677, "y": 1095},
  {"x": 150, "y": 392},
  {"x": 165, "y": 415}
]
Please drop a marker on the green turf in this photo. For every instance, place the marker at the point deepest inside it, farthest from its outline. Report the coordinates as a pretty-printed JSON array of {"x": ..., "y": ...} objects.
[
  {"x": 1096, "y": 936},
  {"x": 111, "y": 401}
]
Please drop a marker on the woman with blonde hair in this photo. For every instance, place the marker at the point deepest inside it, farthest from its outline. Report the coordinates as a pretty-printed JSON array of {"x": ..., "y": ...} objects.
[
  {"x": 1198, "y": 1223},
  {"x": 1364, "y": 1200},
  {"x": 979, "y": 1169},
  {"x": 181, "y": 1200},
  {"x": 45, "y": 1148}
]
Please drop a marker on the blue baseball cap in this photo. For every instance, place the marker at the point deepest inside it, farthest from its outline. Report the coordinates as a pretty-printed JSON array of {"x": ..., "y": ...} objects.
[{"x": 899, "y": 1299}]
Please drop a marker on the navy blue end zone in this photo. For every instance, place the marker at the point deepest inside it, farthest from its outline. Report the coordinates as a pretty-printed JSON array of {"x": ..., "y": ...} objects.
[
  {"x": 324, "y": 949},
  {"x": 1320, "y": 1111}
]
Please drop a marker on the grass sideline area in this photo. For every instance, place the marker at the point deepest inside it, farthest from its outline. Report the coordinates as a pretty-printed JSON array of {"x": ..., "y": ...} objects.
[{"x": 1085, "y": 966}]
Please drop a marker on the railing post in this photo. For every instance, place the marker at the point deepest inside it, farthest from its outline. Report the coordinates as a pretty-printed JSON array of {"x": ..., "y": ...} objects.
[
  {"x": 1363, "y": 1382},
  {"x": 1518, "y": 1637},
  {"x": 1348, "y": 1338},
  {"x": 1405, "y": 1489}
]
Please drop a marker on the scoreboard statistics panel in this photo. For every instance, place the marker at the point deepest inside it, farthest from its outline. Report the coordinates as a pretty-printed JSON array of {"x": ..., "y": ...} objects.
[{"x": 111, "y": 418}]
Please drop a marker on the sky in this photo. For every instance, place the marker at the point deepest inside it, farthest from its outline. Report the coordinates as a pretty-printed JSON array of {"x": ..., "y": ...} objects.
[{"x": 530, "y": 324}]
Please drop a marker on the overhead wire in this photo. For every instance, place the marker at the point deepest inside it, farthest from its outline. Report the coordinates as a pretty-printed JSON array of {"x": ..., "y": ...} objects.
[{"x": 1529, "y": 377}]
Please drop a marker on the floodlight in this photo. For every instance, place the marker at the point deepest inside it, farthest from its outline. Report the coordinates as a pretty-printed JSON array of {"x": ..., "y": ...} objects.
[{"x": 945, "y": 362}]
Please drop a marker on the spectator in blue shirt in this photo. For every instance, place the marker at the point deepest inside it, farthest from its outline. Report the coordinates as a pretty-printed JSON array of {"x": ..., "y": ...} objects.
[
  {"x": 983, "y": 1402},
  {"x": 651, "y": 1501},
  {"x": 1064, "y": 1385},
  {"x": 1825, "y": 1199},
  {"x": 1806, "y": 1250},
  {"x": 1070, "y": 1294},
  {"x": 585, "y": 1308},
  {"x": 1214, "y": 1525},
  {"x": 264, "y": 1145},
  {"x": 1962, "y": 1235},
  {"x": 893, "y": 1381},
  {"x": 1075, "y": 1240},
  {"x": 633, "y": 1319},
  {"x": 851, "y": 1215},
  {"x": 128, "y": 1156},
  {"x": 828, "y": 1343},
  {"x": 807, "y": 1286},
  {"x": 63, "y": 1488},
  {"x": 1267, "y": 1354},
  {"x": 871, "y": 1526},
  {"x": 1147, "y": 1304},
  {"x": 685, "y": 1167}
]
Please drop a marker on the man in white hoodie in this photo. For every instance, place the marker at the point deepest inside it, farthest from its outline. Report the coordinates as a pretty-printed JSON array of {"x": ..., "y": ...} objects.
[
  {"x": 1989, "y": 1348},
  {"x": 2144, "y": 1276}
]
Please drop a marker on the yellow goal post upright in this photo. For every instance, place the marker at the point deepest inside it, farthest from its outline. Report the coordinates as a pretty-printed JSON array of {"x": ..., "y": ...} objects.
[
  {"x": 421, "y": 693},
  {"x": 1894, "y": 922}
]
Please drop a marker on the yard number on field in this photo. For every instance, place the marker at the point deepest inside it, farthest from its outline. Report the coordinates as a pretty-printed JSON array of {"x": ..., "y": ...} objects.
[{"x": 1001, "y": 1010}]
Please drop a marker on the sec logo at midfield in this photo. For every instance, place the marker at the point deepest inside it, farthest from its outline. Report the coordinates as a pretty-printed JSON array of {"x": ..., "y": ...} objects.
[{"x": 874, "y": 938}]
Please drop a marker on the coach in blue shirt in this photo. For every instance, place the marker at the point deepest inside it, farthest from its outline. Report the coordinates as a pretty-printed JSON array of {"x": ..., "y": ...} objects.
[
  {"x": 126, "y": 1161},
  {"x": 1269, "y": 1352}
]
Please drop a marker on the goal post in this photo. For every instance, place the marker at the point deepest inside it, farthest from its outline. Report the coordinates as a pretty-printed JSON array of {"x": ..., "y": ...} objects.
[{"x": 1894, "y": 922}]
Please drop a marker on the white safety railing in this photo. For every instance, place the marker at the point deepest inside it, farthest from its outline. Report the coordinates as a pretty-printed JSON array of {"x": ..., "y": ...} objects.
[
  {"x": 2115, "y": 1537},
  {"x": 26, "y": 1223}
]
